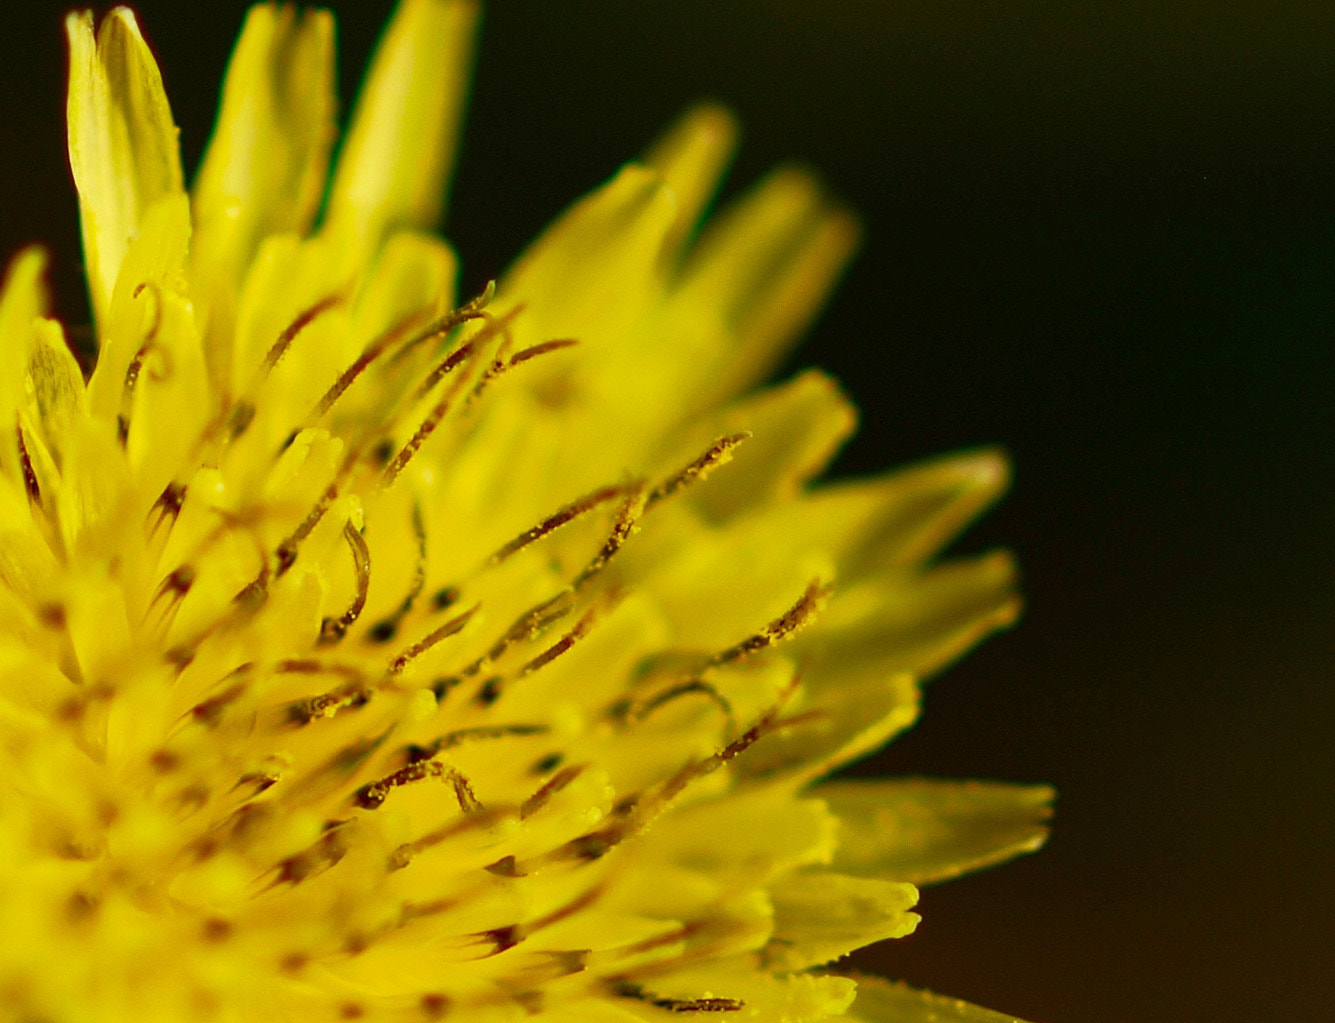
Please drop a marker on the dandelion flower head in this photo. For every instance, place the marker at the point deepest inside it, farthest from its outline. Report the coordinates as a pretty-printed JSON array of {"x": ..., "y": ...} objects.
[{"x": 373, "y": 652}]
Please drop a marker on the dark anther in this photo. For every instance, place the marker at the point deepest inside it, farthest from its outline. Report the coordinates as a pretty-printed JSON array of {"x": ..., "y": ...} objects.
[
  {"x": 286, "y": 556},
  {"x": 435, "y": 1006},
  {"x": 29, "y": 475},
  {"x": 548, "y": 763},
  {"x": 240, "y": 418},
  {"x": 490, "y": 691},
  {"x": 443, "y": 685},
  {"x": 506, "y": 866},
  {"x": 445, "y": 597},
  {"x": 216, "y": 929},
  {"x": 382, "y": 631},
  {"x": 503, "y": 938}
]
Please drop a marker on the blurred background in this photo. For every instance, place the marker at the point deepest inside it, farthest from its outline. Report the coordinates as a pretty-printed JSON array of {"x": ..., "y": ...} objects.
[{"x": 1102, "y": 235}]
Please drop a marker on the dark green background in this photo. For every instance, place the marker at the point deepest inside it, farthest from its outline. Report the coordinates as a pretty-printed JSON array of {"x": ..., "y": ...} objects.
[{"x": 1102, "y": 234}]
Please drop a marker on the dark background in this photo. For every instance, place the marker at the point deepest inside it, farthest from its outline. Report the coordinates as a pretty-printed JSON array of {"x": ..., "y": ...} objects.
[{"x": 1102, "y": 234}]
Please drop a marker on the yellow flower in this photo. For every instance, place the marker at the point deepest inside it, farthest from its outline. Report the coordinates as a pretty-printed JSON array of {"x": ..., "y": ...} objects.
[{"x": 373, "y": 654}]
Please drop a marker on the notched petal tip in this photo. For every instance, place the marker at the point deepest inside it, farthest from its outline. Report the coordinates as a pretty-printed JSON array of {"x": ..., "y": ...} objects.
[
  {"x": 925, "y": 830},
  {"x": 765, "y": 266},
  {"x": 123, "y": 146}
]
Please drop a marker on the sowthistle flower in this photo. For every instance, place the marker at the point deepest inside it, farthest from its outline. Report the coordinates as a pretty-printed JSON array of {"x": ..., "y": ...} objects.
[{"x": 371, "y": 652}]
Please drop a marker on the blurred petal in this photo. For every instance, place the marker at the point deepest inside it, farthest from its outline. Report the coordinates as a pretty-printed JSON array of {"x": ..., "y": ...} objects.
[
  {"x": 22, "y": 300},
  {"x": 842, "y": 718},
  {"x": 265, "y": 167},
  {"x": 796, "y": 427},
  {"x": 917, "y": 621},
  {"x": 593, "y": 274},
  {"x": 397, "y": 158},
  {"x": 923, "y": 831},
  {"x": 122, "y": 140},
  {"x": 153, "y": 264},
  {"x": 883, "y": 1001},
  {"x": 691, "y": 158},
  {"x": 762, "y": 269},
  {"x": 57, "y": 395},
  {"x": 897, "y": 520}
]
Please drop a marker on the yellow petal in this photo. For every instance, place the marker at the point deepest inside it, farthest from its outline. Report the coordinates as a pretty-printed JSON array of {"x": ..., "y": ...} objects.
[
  {"x": 763, "y": 268},
  {"x": 153, "y": 265},
  {"x": 893, "y": 521},
  {"x": 922, "y": 830},
  {"x": 398, "y": 154},
  {"x": 265, "y": 168},
  {"x": 57, "y": 398},
  {"x": 757, "y": 833},
  {"x": 820, "y": 916},
  {"x": 840, "y": 719},
  {"x": 122, "y": 140},
  {"x": 22, "y": 301},
  {"x": 691, "y": 157},
  {"x": 916, "y": 621},
  {"x": 593, "y": 274},
  {"x": 883, "y": 1001},
  {"x": 795, "y": 429}
]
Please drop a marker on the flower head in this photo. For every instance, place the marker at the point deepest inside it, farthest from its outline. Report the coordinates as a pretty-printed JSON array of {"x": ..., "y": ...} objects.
[{"x": 373, "y": 653}]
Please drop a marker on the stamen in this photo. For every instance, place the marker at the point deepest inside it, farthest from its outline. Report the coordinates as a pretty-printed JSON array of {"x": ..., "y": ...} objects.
[
  {"x": 501, "y": 939},
  {"x": 543, "y": 348},
  {"x": 433, "y": 418},
  {"x": 154, "y": 292},
  {"x": 549, "y": 788},
  {"x": 328, "y": 705},
  {"x": 563, "y": 515},
  {"x": 383, "y": 631},
  {"x": 525, "y": 627},
  {"x": 334, "y": 629},
  {"x": 405, "y": 853},
  {"x": 325, "y": 853},
  {"x": 470, "y": 310},
  {"x": 369, "y": 354},
  {"x": 636, "y": 814},
  {"x": 447, "y": 366},
  {"x": 628, "y": 989},
  {"x": 480, "y": 732},
  {"x": 167, "y": 508},
  {"x": 286, "y": 552},
  {"x": 452, "y": 627},
  {"x": 580, "y": 630},
  {"x": 719, "y": 453},
  {"x": 173, "y": 590},
  {"x": 372, "y": 796},
  {"x": 628, "y": 521},
  {"x": 133, "y": 370},
  {"x": 781, "y": 628},
  {"x": 632, "y": 712},
  {"x": 289, "y": 333},
  {"x": 29, "y": 476}
]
